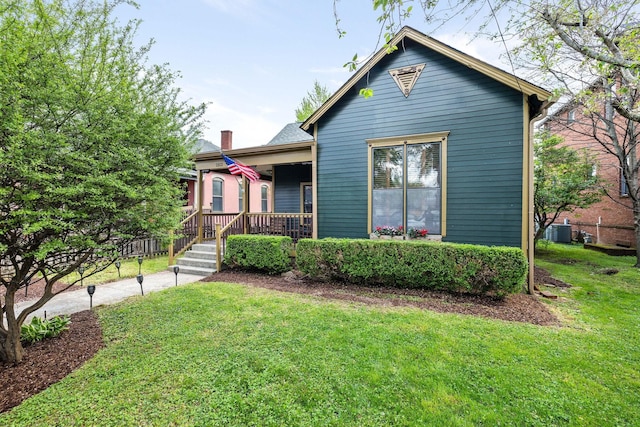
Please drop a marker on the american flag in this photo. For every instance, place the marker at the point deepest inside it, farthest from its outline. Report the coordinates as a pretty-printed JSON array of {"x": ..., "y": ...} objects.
[{"x": 237, "y": 168}]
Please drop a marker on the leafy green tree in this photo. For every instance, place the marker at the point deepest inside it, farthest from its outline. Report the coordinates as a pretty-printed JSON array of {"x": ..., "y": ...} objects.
[
  {"x": 91, "y": 143},
  {"x": 312, "y": 101},
  {"x": 563, "y": 181},
  {"x": 586, "y": 50}
]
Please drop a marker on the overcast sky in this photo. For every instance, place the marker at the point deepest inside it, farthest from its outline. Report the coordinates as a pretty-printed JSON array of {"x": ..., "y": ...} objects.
[{"x": 253, "y": 61}]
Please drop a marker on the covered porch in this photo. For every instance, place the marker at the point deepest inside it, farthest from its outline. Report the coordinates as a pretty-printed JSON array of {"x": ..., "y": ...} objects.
[{"x": 292, "y": 169}]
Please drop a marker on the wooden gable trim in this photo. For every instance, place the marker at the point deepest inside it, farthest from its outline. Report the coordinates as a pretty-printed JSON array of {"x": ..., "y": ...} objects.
[
  {"x": 407, "y": 32},
  {"x": 406, "y": 77}
]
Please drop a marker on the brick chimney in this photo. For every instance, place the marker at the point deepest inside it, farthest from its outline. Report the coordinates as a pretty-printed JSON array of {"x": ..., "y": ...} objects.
[{"x": 225, "y": 140}]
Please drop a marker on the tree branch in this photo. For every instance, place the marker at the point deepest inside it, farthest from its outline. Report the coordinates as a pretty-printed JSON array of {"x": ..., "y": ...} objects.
[{"x": 558, "y": 28}]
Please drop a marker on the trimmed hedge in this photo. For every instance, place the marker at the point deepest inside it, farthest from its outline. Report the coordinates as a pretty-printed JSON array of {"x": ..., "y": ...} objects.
[
  {"x": 266, "y": 253},
  {"x": 414, "y": 264}
]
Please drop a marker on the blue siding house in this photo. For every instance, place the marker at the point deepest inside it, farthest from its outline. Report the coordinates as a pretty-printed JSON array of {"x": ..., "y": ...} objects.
[{"x": 444, "y": 144}]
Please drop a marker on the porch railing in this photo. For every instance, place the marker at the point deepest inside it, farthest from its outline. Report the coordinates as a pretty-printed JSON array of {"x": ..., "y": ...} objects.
[
  {"x": 187, "y": 236},
  {"x": 295, "y": 225}
]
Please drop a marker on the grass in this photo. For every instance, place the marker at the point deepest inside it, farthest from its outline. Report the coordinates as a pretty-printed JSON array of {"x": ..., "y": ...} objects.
[
  {"x": 128, "y": 268},
  {"x": 229, "y": 355}
]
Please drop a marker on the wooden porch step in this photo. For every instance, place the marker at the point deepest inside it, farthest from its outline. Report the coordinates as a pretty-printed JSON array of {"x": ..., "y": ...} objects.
[
  {"x": 197, "y": 271},
  {"x": 199, "y": 260}
]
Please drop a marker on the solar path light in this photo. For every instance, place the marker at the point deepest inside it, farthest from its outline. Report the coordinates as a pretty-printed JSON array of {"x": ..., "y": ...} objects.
[
  {"x": 91, "y": 290},
  {"x": 176, "y": 269},
  {"x": 140, "y": 278},
  {"x": 81, "y": 272},
  {"x": 118, "y": 264},
  {"x": 140, "y": 265}
]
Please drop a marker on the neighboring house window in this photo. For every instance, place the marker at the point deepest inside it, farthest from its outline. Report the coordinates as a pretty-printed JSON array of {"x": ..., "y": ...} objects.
[
  {"x": 240, "y": 196},
  {"x": 217, "y": 201},
  {"x": 264, "y": 198},
  {"x": 571, "y": 116},
  {"x": 624, "y": 190},
  {"x": 406, "y": 177}
]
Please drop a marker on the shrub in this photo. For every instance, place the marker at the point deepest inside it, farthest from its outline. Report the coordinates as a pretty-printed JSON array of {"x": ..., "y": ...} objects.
[
  {"x": 413, "y": 264},
  {"x": 40, "y": 329},
  {"x": 265, "y": 253}
]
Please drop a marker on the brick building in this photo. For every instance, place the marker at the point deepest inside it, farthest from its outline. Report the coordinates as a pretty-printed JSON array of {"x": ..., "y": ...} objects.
[{"x": 609, "y": 221}]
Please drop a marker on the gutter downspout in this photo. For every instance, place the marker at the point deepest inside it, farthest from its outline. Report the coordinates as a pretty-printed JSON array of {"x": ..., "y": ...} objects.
[
  {"x": 314, "y": 182},
  {"x": 531, "y": 226}
]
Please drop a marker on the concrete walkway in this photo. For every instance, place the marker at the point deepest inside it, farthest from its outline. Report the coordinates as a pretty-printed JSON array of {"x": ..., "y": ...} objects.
[{"x": 107, "y": 293}]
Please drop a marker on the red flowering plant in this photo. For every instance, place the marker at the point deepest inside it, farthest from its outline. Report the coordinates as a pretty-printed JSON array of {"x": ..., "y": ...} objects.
[
  {"x": 387, "y": 230},
  {"x": 417, "y": 232}
]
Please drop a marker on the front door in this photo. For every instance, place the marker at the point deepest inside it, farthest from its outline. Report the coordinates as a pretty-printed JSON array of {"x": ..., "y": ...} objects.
[{"x": 307, "y": 197}]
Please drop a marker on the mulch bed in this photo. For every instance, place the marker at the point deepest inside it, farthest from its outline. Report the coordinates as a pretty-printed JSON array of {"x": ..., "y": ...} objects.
[
  {"x": 517, "y": 308},
  {"x": 51, "y": 360}
]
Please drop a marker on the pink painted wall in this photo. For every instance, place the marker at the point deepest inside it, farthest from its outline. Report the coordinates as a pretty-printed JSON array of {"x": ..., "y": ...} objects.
[
  {"x": 230, "y": 193},
  {"x": 230, "y": 189}
]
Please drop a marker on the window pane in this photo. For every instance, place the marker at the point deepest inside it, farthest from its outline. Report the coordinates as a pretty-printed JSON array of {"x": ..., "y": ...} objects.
[
  {"x": 307, "y": 199},
  {"x": 387, "y": 204},
  {"x": 240, "y": 196},
  {"x": 387, "y": 167},
  {"x": 217, "y": 187},
  {"x": 387, "y": 208},
  {"x": 624, "y": 191},
  {"x": 423, "y": 165},
  {"x": 423, "y": 187},
  {"x": 423, "y": 205},
  {"x": 264, "y": 194},
  {"x": 216, "y": 204}
]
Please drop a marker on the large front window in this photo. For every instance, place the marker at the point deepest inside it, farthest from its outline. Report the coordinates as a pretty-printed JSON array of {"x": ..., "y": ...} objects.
[{"x": 407, "y": 183}]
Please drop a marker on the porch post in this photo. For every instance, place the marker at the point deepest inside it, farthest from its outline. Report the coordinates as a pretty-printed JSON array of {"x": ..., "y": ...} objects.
[
  {"x": 246, "y": 204},
  {"x": 200, "y": 197},
  {"x": 218, "y": 247},
  {"x": 314, "y": 184}
]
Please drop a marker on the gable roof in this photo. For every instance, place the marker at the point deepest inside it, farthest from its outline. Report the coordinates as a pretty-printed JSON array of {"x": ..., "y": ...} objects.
[
  {"x": 290, "y": 133},
  {"x": 439, "y": 47},
  {"x": 204, "y": 146}
]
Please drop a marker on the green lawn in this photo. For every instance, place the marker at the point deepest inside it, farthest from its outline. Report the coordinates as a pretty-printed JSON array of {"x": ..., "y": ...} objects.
[{"x": 212, "y": 354}]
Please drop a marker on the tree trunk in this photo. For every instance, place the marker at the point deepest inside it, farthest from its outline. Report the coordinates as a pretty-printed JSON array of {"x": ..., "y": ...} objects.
[
  {"x": 537, "y": 236},
  {"x": 10, "y": 345},
  {"x": 636, "y": 226}
]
